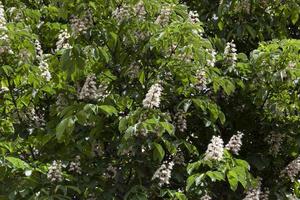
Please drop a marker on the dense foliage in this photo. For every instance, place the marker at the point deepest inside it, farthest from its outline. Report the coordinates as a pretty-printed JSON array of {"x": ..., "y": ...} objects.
[{"x": 108, "y": 99}]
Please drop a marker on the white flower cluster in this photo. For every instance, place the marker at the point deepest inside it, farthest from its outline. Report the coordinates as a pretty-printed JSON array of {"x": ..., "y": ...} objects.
[
  {"x": 181, "y": 121},
  {"x": 205, "y": 197},
  {"x": 201, "y": 80},
  {"x": 121, "y": 13},
  {"x": 63, "y": 40},
  {"x": 254, "y": 193},
  {"x": 164, "y": 17},
  {"x": 140, "y": 10},
  {"x": 43, "y": 65},
  {"x": 4, "y": 40},
  {"x": 230, "y": 53},
  {"x": 185, "y": 56},
  {"x": 275, "y": 141},
  {"x": 111, "y": 171},
  {"x": 89, "y": 91},
  {"x": 212, "y": 61},
  {"x": 32, "y": 116},
  {"x": 235, "y": 143},
  {"x": 39, "y": 50},
  {"x": 152, "y": 98},
  {"x": 80, "y": 26},
  {"x": 179, "y": 158},
  {"x": 75, "y": 165},
  {"x": 163, "y": 173},
  {"x": 194, "y": 17},
  {"x": 264, "y": 195},
  {"x": 292, "y": 169},
  {"x": 215, "y": 149},
  {"x": 55, "y": 172},
  {"x": 61, "y": 102}
]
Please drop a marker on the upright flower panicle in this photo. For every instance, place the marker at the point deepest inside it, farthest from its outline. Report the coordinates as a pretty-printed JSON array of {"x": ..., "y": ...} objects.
[
  {"x": 163, "y": 173},
  {"x": 55, "y": 172},
  {"x": 140, "y": 10},
  {"x": 215, "y": 149},
  {"x": 4, "y": 39},
  {"x": 89, "y": 89},
  {"x": 275, "y": 141},
  {"x": 292, "y": 169},
  {"x": 254, "y": 193},
  {"x": 264, "y": 195},
  {"x": 152, "y": 98},
  {"x": 44, "y": 67},
  {"x": 235, "y": 143},
  {"x": 121, "y": 13},
  {"x": 63, "y": 40},
  {"x": 75, "y": 165},
  {"x": 212, "y": 60},
  {"x": 181, "y": 121},
  {"x": 164, "y": 17},
  {"x": 201, "y": 80},
  {"x": 194, "y": 17},
  {"x": 39, "y": 50},
  {"x": 230, "y": 53},
  {"x": 205, "y": 197},
  {"x": 81, "y": 25}
]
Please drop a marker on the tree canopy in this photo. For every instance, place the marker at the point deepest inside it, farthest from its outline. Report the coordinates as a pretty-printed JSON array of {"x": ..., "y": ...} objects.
[{"x": 149, "y": 99}]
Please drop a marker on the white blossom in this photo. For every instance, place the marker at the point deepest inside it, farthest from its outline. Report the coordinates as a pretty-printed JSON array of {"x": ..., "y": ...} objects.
[
  {"x": 181, "y": 121},
  {"x": 201, "y": 80},
  {"x": 215, "y": 149},
  {"x": 44, "y": 68},
  {"x": 212, "y": 61},
  {"x": 152, "y": 98},
  {"x": 121, "y": 13},
  {"x": 81, "y": 25},
  {"x": 39, "y": 50},
  {"x": 55, "y": 172},
  {"x": 89, "y": 91},
  {"x": 235, "y": 143},
  {"x": 292, "y": 169},
  {"x": 254, "y": 193},
  {"x": 111, "y": 171},
  {"x": 230, "y": 53},
  {"x": 275, "y": 141},
  {"x": 163, "y": 173},
  {"x": 264, "y": 195},
  {"x": 140, "y": 10},
  {"x": 194, "y": 17},
  {"x": 63, "y": 40},
  {"x": 89, "y": 88},
  {"x": 75, "y": 165},
  {"x": 4, "y": 39},
  {"x": 164, "y": 16},
  {"x": 179, "y": 158},
  {"x": 205, "y": 197}
]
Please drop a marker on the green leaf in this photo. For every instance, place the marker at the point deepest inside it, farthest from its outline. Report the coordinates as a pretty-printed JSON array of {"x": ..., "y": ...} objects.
[
  {"x": 295, "y": 17},
  {"x": 65, "y": 128},
  {"x": 168, "y": 127},
  {"x": 233, "y": 179},
  {"x": 215, "y": 175},
  {"x": 191, "y": 148},
  {"x": 158, "y": 152},
  {"x": 18, "y": 163},
  {"x": 142, "y": 77},
  {"x": 110, "y": 110},
  {"x": 251, "y": 31},
  {"x": 123, "y": 125}
]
